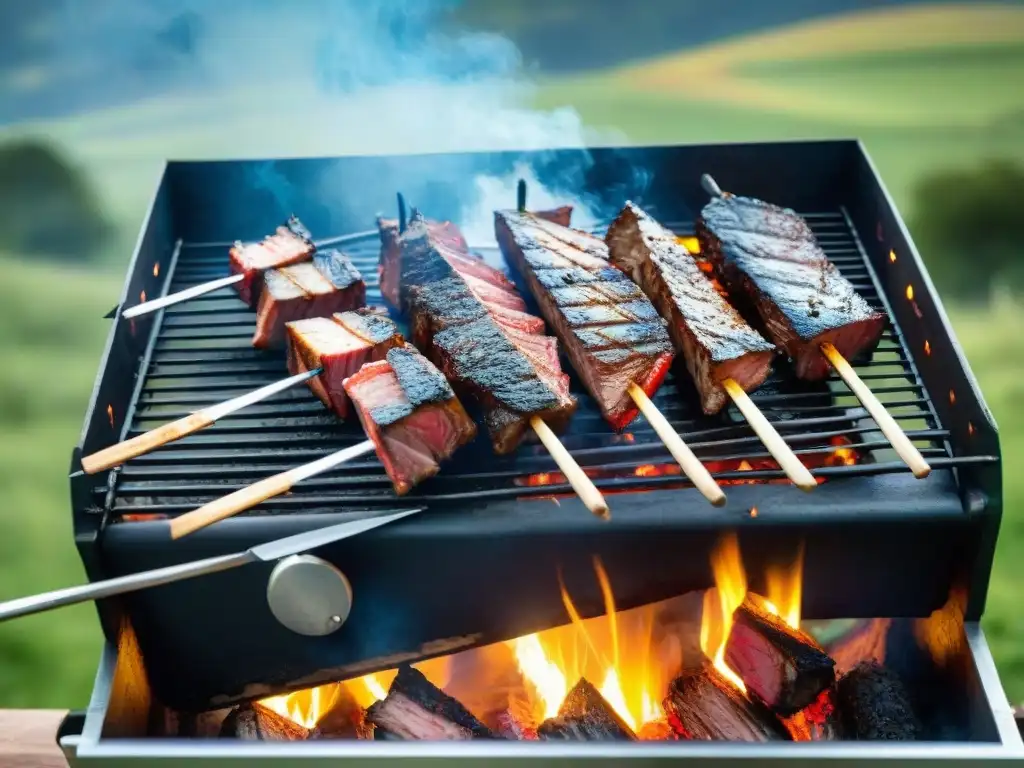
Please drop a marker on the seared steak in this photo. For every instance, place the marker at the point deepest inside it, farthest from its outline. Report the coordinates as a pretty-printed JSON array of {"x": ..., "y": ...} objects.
[
  {"x": 715, "y": 340},
  {"x": 340, "y": 345},
  {"x": 610, "y": 330},
  {"x": 410, "y": 413},
  {"x": 328, "y": 283},
  {"x": 769, "y": 255},
  {"x": 470, "y": 320},
  {"x": 290, "y": 244}
]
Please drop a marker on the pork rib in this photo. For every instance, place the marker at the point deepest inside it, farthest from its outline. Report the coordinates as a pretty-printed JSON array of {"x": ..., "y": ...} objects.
[
  {"x": 340, "y": 345},
  {"x": 317, "y": 288},
  {"x": 714, "y": 339},
  {"x": 411, "y": 414},
  {"x": 770, "y": 255},
  {"x": 610, "y": 330},
  {"x": 290, "y": 244},
  {"x": 470, "y": 320}
]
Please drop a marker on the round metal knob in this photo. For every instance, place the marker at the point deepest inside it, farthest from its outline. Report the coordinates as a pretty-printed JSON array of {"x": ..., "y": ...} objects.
[{"x": 308, "y": 595}]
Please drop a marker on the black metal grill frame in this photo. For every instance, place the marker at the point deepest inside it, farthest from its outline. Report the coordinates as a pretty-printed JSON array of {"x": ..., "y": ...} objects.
[{"x": 869, "y": 516}]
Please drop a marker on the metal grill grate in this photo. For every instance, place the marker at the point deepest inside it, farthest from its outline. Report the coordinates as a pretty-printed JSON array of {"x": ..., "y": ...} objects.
[{"x": 202, "y": 355}]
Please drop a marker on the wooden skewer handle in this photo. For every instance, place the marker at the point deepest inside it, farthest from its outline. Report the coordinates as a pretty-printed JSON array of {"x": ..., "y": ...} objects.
[
  {"x": 777, "y": 447},
  {"x": 129, "y": 449},
  {"x": 232, "y": 504},
  {"x": 583, "y": 485},
  {"x": 905, "y": 449},
  {"x": 690, "y": 464}
]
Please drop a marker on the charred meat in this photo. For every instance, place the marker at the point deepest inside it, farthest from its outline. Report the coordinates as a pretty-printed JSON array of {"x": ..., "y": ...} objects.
[
  {"x": 470, "y": 320},
  {"x": 339, "y": 345},
  {"x": 290, "y": 244},
  {"x": 770, "y": 256},
  {"x": 716, "y": 342},
  {"x": 610, "y": 330},
  {"x": 317, "y": 288},
  {"x": 411, "y": 414}
]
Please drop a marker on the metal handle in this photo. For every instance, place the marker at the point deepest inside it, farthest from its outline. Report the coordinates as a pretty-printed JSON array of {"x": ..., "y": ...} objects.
[
  {"x": 26, "y": 606},
  {"x": 710, "y": 186}
]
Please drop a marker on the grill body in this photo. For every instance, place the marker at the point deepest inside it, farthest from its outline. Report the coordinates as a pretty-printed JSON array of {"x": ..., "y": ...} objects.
[{"x": 482, "y": 564}]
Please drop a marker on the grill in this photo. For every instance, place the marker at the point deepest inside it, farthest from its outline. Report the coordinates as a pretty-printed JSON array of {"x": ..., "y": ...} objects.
[{"x": 878, "y": 542}]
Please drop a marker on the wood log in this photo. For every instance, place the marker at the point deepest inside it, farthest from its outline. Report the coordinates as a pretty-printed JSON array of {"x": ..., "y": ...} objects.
[
  {"x": 783, "y": 667},
  {"x": 818, "y": 722},
  {"x": 416, "y": 709},
  {"x": 254, "y": 722},
  {"x": 702, "y": 705},
  {"x": 585, "y": 715},
  {"x": 874, "y": 705}
]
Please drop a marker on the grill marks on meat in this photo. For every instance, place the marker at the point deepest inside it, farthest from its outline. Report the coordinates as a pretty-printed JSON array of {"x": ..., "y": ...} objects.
[
  {"x": 340, "y": 345},
  {"x": 610, "y": 330},
  {"x": 410, "y": 413},
  {"x": 770, "y": 255},
  {"x": 317, "y": 288},
  {"x": 471, "y": 321},
  {"x": 716, "y": 342},
  {"x": 290, "y": 244}
]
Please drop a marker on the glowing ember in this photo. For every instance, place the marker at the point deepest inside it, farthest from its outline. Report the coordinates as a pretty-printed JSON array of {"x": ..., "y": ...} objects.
[
  {"x": 952, "y": 397},
  {"x": 910, "y": 293},
  {"x": 110, "y": 415},
  {"x": 927, "y": 348},
  {"x": 142, "y": 296},
  {"x": 720, "y": 603},
  {"x": 753, "y": 512},
  {"x": 156, "y": 269},
  {"x": 892, "y": 256}
]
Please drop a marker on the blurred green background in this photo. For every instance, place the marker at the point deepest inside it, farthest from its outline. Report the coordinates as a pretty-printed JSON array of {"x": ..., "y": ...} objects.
[{"x": 934, "y": 89}]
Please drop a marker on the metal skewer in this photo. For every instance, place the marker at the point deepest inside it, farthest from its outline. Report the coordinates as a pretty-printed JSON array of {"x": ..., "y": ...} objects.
[
  {"x": 187, "y": 425},
  {"x": 273, "y": 550},
  {"x": 904, "y": 448}
]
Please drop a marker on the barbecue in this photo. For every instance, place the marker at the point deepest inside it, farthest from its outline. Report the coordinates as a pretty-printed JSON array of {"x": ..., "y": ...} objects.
[
  {"x": 317, "y": 288},
  {"x": 769, "y": 255},
  {"x": 473, "y": 591},
  {"x": 470, "y": 320},
  {"x": 713, "y": 338}
]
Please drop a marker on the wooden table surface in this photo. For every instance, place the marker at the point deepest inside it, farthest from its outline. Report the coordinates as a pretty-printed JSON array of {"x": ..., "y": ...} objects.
[{"x": 28, "y": 738}]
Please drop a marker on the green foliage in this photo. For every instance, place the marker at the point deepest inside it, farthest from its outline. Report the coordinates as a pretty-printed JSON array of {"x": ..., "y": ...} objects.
[
  {"x": 46, "y": 206},
  {"x": 970, "y": 228}
]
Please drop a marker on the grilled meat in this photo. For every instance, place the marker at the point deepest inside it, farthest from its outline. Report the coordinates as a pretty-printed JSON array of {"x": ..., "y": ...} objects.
[
  {"x": 769, "y": 255},
  {"x": 317, "y": 288},
  {"x": 715, "y": 340},
  {"x": 610, "y": 330},
  {"x": 410, "y": 413},
  {"x": 340, "y": 345},
  {"x": 290, "y": 244},
  {"x": 470, "y": 320}
]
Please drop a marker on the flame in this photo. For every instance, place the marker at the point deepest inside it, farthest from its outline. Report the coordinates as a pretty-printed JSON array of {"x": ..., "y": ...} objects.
[
  {"x": 305, "y": 707},
  {"x": 692, "y": 244},
  {"x": 783, "y": 585},
  {"x": 616, "y": 657},
  {"x": 720, "y": 603},
  {"x": 843, "y": 455}
]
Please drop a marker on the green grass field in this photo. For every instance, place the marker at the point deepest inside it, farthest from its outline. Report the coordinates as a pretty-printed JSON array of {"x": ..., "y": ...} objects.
[{"x": 940, "y": 105}]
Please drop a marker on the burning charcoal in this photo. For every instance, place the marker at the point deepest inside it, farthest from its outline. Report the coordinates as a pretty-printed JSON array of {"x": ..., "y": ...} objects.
[
  {"x": 704, "y": 706},
  {"x": 818, "y": 722},
  {"x": 657, "y": 730},
  {"x": 416, "y": 709},
  {"x": 585, "y": 716},
  {"x": 254, "y": 722},
  {"x": 515, "y": 727},
  {"x": 783, "y": 667},
  {"x": 875, "y": 706}
]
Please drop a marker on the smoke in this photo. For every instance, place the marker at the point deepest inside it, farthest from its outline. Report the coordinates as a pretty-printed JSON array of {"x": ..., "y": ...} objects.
[{"x": 330, "y": 77}]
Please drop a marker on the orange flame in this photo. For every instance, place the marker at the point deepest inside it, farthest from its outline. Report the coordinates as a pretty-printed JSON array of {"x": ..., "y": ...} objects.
[
  {"x": 720, "y": 603},
  {"x": 618, "y": 663},
  {"x": 110, "y": 415},
  {"x": 308, "y": 707},
  {"x": 692, "y": 244},
  {"x": 784, "y": 585}
]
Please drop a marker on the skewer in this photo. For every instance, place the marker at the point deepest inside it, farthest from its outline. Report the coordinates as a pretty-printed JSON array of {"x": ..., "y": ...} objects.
[
  {"x": 260, "y": 491},
  {"x": 591, "y": 497},
  {"x": 214, "y": 285},
  {"x": 904, "y": 448},
  {"x": 691, "y": 465},
  {"x": 187, "y": 425},
  {"x": 777, "y": 447}
]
